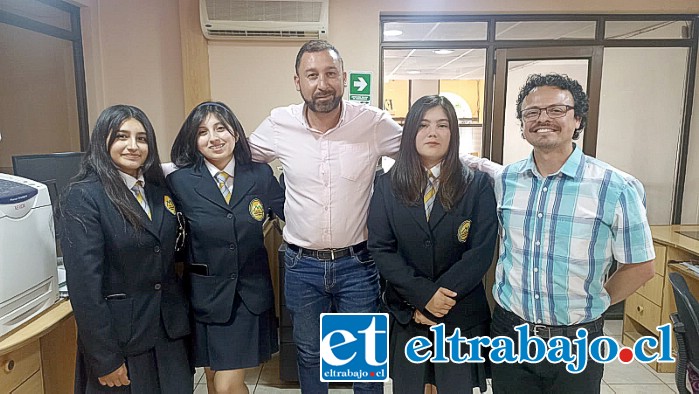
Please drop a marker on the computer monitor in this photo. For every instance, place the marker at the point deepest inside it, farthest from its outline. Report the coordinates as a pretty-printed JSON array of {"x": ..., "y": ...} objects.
[{"x": 54, "y": 170}]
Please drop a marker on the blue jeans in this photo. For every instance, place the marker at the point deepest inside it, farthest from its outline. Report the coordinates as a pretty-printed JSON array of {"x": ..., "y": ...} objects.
[{"x": 312, "y": 286}]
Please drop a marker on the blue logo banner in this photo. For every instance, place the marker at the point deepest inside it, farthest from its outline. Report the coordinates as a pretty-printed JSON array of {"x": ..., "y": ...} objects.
[{"x": 353, "y": 347}]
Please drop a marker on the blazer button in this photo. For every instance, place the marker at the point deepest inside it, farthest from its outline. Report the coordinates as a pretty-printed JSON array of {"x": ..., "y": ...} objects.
[
  {"x": 234, "y": 276},
  {"x": 229, "y": 216},
  {"x": 428, "y": 244},
  {"x": 156, "y": 249},
  {"x": 232, "y": 247},
  {"x": 157, "y": 286}
]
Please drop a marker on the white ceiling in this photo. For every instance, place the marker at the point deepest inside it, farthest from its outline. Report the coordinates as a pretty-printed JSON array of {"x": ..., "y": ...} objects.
[{"x": 406, "y": 64}]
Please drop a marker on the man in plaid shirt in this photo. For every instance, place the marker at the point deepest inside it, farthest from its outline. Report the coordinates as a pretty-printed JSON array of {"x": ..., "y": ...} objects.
[{"x": 565, "y": 218}]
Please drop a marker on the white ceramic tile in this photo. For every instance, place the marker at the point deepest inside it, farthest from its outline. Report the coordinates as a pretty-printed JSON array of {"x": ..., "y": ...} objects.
[
  {"x": 633, "y": 373},
  {"x": 274, "y": 390},
  {"x": 640, "y": 388},
  {"x": 673, "y": 387},
  {"x": 667, "y": 378},
  {"x": 388, "y": 387},
  {"x": 476, "y": 390},
  {"x": 198, "y": 376},
  {"x": 200, "y": 389},
  {"x": 252, "y": 375},
  {"x": 605, "y": 389},
  {"x": 613, "y": 327}
]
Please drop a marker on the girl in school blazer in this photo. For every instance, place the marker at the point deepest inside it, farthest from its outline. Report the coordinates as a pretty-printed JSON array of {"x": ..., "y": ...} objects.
[
  {"x": 118, "y": 248},
  {"x": 225, "y": 197},
  {"x": 432, "y": 236}
]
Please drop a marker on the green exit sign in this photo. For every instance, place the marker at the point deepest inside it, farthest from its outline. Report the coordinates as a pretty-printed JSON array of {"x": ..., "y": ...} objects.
[{"x": 360, "y": 86}]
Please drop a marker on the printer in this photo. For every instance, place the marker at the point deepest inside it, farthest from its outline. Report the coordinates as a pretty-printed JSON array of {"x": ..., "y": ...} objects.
[{"x": 28, "y": 271}]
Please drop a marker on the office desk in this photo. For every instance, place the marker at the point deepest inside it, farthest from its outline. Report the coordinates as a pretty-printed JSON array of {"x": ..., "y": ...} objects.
[
  {"x": 39, "y": 357},
  {"x": 651, "y": 305}
]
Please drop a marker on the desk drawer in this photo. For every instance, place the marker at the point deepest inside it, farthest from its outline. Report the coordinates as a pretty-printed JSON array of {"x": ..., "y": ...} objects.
[
  {"x": 660, "y": 258},
  {"x": 17, "y": 366},
  {"x": 643, "y": 311},
  {"x": 653, "y": 290},
  {"x": 32, "y": 385}
]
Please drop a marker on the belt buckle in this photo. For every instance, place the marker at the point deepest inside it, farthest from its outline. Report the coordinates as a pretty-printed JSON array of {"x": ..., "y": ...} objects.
[
  {"x": 538, "y": 327},
  {"x": 324, "y": 251}
]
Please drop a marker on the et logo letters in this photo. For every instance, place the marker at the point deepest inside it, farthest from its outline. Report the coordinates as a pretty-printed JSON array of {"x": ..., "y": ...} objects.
[{"x": 354, "y": 347}]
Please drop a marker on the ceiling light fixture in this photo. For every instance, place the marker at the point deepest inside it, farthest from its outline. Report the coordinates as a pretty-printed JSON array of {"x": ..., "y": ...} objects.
[
  {"x": 392, "y": 33},
  {"x": 443, "y": 51},
  {"x": 413, "y": 72}
]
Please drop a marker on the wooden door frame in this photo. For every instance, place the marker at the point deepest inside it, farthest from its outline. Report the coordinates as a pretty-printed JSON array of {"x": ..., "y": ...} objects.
[{"x": 593, "y": 54}]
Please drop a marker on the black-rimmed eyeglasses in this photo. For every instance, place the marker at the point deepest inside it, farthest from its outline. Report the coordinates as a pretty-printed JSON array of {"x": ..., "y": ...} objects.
[{"x": 553, "y": 111}]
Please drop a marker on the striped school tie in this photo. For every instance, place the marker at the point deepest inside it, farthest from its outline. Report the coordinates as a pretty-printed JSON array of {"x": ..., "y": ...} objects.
[
  {"x": 140, "y": 197},
  {"x": 429, "y": 194},
  {"x": 221, "y": 178}
]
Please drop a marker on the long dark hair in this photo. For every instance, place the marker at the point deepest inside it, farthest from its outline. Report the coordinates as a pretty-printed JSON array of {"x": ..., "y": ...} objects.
[
  {"x": 409, "y": 178},
  {"x": 184, "y": 151},
  {"x": 98, "y": 162}
]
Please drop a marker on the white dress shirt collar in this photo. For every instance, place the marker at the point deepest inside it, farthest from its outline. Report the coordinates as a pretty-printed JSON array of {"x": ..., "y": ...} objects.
[
  {"x": 229, "y": 168},
  {"x": 304, "y": 120},
  {"x": 436, "y": 170},
  {"x": 130, "y": 181}
]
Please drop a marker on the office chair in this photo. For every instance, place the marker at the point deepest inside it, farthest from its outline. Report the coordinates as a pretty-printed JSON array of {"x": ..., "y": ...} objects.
[{"x": 686, "y": 327}]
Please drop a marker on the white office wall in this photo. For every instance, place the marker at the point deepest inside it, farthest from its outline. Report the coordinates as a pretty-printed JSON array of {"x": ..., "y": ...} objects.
[
  {"x": 133, "y": 56},
  {"x": 249, "y": 82},
  {"x": 37, "y": 95},
  {"x": 690, "y": 202},
  {"x": 641, "y": 108}
]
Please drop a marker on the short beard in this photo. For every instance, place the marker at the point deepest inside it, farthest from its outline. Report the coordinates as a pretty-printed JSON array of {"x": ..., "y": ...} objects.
[{"x": 325, "y": 107}]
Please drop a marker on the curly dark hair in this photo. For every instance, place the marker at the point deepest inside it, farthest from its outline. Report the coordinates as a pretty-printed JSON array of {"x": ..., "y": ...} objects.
[{"x": 562, "y": 82}]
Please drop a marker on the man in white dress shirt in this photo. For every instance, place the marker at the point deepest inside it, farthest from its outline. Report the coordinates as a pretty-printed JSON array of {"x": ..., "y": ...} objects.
[{"x": 328, "y": 148}]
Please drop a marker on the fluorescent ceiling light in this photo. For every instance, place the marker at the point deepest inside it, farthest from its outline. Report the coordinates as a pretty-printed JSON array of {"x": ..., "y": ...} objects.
[
  {"x": 392, "y": 33},
  {"x": 443, "y": 51},
  {"x": 413, "y": 72}
]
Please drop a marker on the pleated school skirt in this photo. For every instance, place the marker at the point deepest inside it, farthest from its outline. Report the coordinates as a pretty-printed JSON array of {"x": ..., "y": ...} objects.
[
  {"x": 163, "y": 369},
  {"x": 448, "y": 377},
  {"x": 245, "y": 341}
]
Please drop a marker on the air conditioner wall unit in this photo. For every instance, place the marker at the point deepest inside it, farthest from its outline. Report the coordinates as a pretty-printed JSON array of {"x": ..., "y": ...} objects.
[{"x": 288, "y": 20}]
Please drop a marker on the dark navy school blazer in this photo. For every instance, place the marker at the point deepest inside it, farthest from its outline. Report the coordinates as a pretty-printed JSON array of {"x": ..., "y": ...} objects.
[
  {"x": 226, "y": 242},
  {"x": 416, "y": 257},
  {"x": 122, "y": 281}
]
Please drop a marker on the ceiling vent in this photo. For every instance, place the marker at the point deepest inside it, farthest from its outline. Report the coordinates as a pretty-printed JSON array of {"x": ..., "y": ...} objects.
[{"x": 292, "y": 20}]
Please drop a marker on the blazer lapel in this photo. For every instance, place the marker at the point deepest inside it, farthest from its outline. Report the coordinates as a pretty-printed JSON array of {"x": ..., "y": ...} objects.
[
  {"x": 147, "y": 222},
  {"x": 243, "y": 181},
  {"x": 437, "y": 214},
  {"x": 207, "y": 188},
  {"x": 156, "y": 201},
  {"x": 418, "y": 214}
]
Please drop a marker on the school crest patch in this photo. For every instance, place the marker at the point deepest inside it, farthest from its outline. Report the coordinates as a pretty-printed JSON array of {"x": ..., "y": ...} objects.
[
  {"x": 170, "y": 205},
  {"x": 462, "y": 232},
  {"x": 257, "y": 210}
]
